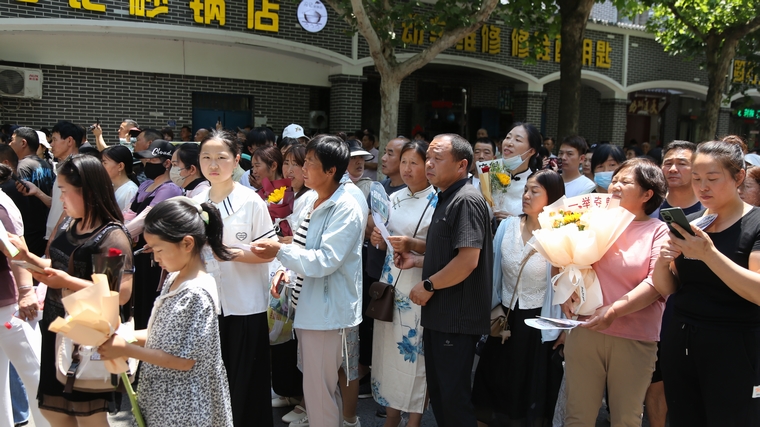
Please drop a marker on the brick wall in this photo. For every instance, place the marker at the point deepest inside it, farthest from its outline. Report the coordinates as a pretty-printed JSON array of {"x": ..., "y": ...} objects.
[
  {"x": 648, "y": 62},
  {"x": 590, "y": 115},
  {"x": 612, "y": 120},
  {"x": 81, "y": 95},
  {"x": 332, "y": 37},
  {"x": 345, "y": 108}
]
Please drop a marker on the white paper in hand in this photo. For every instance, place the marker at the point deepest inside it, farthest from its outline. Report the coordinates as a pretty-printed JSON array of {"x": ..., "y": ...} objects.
[
  {"x": 548, "y": 323},
  {"x": 8, "y": 245}
]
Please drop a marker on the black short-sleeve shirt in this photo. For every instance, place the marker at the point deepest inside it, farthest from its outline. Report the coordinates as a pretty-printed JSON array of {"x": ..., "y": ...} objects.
[
  {"x": 703, "y": 298},
  {"x": 460, "y": 220}
]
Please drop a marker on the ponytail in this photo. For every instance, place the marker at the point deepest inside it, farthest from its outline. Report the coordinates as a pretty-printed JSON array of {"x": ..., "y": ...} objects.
[
  {"x": 215, "y": 232},
  {"x": 174, "y": 219}
]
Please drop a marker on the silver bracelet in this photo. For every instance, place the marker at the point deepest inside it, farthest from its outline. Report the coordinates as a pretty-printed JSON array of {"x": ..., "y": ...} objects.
[{"x": 25, "y": 287}]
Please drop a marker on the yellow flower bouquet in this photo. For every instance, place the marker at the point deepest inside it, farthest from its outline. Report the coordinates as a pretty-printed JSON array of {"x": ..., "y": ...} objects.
[
  {"x": 575, "y": 233},
  {"x": 495, "y": 179}
]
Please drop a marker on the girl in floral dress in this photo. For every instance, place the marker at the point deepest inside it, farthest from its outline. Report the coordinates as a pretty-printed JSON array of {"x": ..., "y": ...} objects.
[
  {"x": 182, "y": 379},
  {"x": 398, "y": 363}
]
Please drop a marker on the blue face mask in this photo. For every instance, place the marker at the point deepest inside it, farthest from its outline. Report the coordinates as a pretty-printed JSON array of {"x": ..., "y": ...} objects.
[{"x": 603, "y": 179}]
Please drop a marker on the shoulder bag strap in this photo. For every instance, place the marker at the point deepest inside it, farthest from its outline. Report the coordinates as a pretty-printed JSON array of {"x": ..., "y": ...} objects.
[
  {"x": 416, "y": 229},
  {"x": 517, "y": 283}
]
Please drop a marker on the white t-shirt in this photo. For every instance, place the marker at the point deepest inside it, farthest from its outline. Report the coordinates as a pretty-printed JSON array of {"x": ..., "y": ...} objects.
[
  {"x": 56, "y": 209},
  {"x": 579, "y": 186},
  {"x": 125, "y": 194},
  {"x": 243, "y": 288}
]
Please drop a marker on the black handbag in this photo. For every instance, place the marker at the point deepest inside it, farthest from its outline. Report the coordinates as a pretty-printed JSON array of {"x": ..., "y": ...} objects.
[{"x": 384, "y": 294}]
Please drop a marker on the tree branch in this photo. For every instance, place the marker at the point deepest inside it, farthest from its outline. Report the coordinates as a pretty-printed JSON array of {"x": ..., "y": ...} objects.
[
  {"x": 747, "y": 28},
  {"x": 376, "y": 48},
  {"x": 446, "y": 40},
  {"x": 677, "y": 13}
]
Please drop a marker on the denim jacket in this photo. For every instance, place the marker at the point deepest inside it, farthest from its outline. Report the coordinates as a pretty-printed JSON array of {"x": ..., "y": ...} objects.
[{"x": 331, "y": 263}]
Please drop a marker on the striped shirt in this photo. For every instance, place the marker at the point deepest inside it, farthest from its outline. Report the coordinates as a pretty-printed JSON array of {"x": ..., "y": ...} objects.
[
  {"x": 299, "y": 239},
  {"x": 461, "y": 220}
]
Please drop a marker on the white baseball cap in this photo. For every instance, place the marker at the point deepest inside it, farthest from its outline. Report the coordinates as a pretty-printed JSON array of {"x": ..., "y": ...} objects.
[
  {"x": 43, "y": 139},
  {"x": 293, "y": 131},
  {"x": 753, "y": 159}
]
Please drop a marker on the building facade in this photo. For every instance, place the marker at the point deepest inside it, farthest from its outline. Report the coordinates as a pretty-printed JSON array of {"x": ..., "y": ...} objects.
[{"x": 165, "y": 63}]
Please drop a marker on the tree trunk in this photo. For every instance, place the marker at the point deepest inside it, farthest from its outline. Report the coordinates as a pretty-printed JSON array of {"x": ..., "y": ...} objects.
[
  {"x": 718, "y": 61},
  {"x": 390, "y": 91},
  {"x": 574, "y": 14}
]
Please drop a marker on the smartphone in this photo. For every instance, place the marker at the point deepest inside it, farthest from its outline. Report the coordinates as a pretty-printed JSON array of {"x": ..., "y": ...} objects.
[
  {"x": 28, "y": 266},
  {"x": 676, "y": 215}
]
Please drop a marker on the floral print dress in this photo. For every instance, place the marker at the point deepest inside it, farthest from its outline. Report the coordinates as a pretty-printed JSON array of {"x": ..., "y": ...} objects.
[
  {"x": 398, "y": 363},
  {"x": 184, "y": 324}
]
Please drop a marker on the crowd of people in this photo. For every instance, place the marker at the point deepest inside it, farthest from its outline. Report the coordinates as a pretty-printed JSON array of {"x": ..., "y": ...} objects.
[{"x": 218, "y": 231}]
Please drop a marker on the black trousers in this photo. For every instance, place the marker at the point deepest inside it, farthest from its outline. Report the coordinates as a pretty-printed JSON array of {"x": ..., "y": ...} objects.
[
  {"x": 709, "y": 376},
  {"x": 448, "y": 366},
  {"x": 245, "y": 351}
]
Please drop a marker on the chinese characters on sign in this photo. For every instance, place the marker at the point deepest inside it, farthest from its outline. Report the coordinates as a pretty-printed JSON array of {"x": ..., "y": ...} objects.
[
  {"x": 748, "y": 113},
  {"x": 600, "y": 60},
  {"x": 650, "y": 106},
  {"x": 137, "y": 8},
  {"x": 206, "y": 12},
  {"x": 87, "y": 5},
  {"x": 744, "y": 72},
  {"x": 490, "y": 38},
  {"x": 599, "y": 201}
]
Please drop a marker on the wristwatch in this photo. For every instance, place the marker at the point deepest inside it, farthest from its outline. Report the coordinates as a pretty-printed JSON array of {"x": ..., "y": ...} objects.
[{"x": 428, "y": 285}]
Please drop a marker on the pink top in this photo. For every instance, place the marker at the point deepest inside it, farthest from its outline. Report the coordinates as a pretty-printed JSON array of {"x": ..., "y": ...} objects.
[{"x": 628, "y": 263}]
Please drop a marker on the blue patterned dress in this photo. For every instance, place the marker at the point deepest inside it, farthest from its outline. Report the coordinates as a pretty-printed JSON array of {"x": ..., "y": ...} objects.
[{"x": 398, "y": 363}]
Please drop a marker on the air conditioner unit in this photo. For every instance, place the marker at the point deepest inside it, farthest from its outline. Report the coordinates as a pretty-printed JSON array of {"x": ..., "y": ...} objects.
[
  {"x": 20, "y": 82},
  {"x": 317, "y": 120}
]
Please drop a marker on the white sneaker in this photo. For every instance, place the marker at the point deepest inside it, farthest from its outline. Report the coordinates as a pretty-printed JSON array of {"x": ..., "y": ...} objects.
[
  {"x": 282, "y": 402},
  {"x": 293, "y": 415},
  {"x": 303, "y": 422},
  {"x": 356, "y": 424}
]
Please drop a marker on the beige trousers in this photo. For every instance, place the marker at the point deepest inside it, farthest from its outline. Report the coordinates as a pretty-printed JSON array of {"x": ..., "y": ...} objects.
[
  {"x": 320, "y": 359},
  {"x": 594, "y": 360}
]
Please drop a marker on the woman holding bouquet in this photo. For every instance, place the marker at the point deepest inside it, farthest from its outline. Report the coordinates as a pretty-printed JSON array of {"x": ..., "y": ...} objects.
[
  {"x": 515, "y": 377},
  {"x": 398, "y": 374},
  {"x": 711, "y": 348},
  {"x": 617, "y": 346},
  {"x": 276, "y": 191},
  {"x": 93, "y": 224},
  {"x": 520, "y": 154}
]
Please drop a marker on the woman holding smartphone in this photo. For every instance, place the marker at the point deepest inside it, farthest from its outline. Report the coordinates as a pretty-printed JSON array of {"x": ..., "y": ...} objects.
[{"x": 711, "y": 348}]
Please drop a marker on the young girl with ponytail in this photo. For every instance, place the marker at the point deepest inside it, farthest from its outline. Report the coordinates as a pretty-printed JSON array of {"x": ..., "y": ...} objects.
[{"x": 182, "y": 379}]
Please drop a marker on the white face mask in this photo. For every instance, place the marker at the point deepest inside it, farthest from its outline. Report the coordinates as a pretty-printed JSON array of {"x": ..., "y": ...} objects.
[
  {"x": 513, "y": 163},
  {"x": 175, "y": 176}
]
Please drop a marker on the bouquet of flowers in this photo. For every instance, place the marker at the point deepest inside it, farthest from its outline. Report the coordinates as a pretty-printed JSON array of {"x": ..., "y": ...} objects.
[
  {"x": 279, "y": 197},
  {"x": 495, "y": 179},
  {"x": 575, "y": 233}
]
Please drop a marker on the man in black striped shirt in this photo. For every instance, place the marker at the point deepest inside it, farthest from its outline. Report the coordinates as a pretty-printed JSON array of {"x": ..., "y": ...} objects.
[{"x": 456, "y": 288}]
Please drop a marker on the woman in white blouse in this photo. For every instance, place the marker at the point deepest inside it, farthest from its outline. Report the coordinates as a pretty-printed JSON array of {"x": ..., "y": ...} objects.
[
  {"x": 520, "y": 151},
  {"x": 118, "y": 163},
  {"x": 242, "y": 284},
  {"x": 515, "y": 377}
]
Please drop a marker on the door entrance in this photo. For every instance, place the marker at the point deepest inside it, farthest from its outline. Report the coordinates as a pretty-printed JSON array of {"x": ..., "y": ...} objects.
[{"x": 232, "y": 110}]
